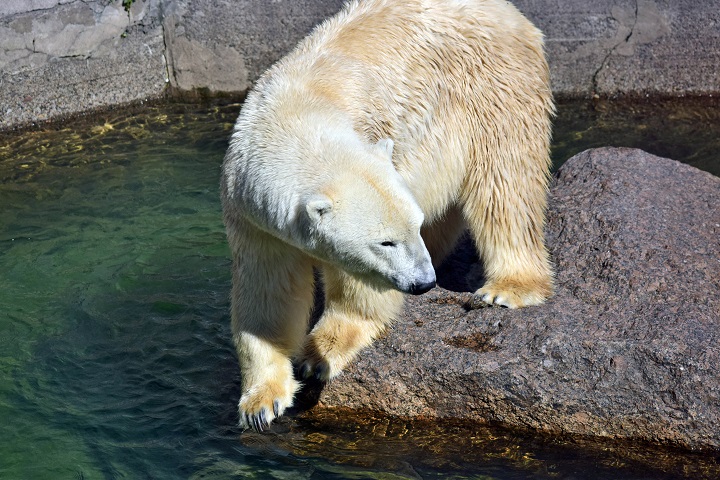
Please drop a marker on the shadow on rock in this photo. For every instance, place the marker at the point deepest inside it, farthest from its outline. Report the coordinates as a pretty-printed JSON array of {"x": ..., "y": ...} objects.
[{"x": 461, "y": 271}]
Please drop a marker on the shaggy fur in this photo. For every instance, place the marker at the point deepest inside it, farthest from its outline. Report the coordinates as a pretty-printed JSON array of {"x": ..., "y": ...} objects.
[{"x": 461, "y": 88}]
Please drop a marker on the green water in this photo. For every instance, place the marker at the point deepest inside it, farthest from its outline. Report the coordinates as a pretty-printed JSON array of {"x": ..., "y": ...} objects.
[
  {"x": 115, "y": 354},
  {"x": 684, "y": 129}
]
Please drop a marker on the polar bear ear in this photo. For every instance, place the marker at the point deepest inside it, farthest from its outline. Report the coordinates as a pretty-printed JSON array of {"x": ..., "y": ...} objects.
[
  {"x": 385, "y": 145},
  {"x": 317, "y": 206}
]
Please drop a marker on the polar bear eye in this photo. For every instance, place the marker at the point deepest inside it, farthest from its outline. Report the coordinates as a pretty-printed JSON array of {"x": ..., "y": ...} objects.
[{"x": 388, "y": 243}]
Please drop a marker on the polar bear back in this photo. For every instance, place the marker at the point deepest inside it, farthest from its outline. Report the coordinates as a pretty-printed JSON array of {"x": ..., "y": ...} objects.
[{"x": 438, "y": 77}]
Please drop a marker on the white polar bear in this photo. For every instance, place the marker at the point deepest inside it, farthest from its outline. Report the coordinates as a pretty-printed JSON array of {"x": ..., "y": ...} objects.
[{"x": 366, "y": 152}]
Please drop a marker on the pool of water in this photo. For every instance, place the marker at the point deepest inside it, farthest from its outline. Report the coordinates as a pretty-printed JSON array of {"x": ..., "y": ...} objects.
[
  {"x": 684, "y": 129},
  {"x": 115, "y": 353}
]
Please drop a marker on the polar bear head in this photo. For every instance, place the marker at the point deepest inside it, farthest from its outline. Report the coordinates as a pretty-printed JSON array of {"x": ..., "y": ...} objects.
[{"x": 364, "y": 219}]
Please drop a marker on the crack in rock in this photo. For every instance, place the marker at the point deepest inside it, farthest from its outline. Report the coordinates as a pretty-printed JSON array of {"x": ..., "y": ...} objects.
[
  {"x": 641, "y": 25},
  {"x": 619, "y": 14}
]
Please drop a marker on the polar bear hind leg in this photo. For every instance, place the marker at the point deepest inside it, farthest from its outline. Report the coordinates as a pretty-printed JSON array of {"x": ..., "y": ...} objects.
[{"x": 441, "y": 236}]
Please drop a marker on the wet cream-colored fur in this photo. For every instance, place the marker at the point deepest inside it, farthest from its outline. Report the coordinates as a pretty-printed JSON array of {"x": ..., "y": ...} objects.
[{"x": 386, "y": 133}]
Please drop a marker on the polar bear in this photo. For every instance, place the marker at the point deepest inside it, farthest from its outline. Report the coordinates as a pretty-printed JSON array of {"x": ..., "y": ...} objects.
[{"x": 364, "y": 154}]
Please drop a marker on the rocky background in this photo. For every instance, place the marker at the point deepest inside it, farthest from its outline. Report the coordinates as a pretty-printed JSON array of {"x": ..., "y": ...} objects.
[
  {"x": 60, "y": 57},
  {"x": 629, "y": 346}
]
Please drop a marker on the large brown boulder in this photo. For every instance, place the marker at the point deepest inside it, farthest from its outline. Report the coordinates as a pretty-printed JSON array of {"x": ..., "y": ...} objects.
[{"x": 628, "y": 346}]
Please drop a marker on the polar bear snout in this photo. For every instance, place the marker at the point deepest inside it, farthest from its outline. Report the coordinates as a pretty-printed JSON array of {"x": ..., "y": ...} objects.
[
  {"x": 416, "y": 286},
  {"x": 420, "y": 288},
  {"x": 419, "y": 280}
]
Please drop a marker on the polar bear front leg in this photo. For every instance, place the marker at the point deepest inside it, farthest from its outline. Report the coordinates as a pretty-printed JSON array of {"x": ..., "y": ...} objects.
[
  {"x": 268, "y": 385},
  {"x": 272, "y": 297},
  {"x": 355, "y": 315}
]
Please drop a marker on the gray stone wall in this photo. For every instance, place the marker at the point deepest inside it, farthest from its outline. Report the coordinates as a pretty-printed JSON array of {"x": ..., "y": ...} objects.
[
  {"x": 612, "y": 47},
  {"x": 66, "y": 56},
  {"x": 237, "y": 40}
]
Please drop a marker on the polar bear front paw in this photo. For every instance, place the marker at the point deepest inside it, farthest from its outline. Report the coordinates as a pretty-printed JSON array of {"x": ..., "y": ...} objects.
[
  {"x": 318, "y": 369},
  {"x": 314, "y": 366},
  {"x": 323, "y": 358},
  {"x": 512, "y": 294},
  {"x": 262, "y": 403}
]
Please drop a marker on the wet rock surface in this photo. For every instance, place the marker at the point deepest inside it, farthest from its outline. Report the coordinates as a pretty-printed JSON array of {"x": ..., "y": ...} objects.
[{"x": 627, "y": 348}]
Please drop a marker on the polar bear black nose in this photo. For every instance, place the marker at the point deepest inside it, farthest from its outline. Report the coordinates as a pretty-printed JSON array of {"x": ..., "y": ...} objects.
[{"x": 420, "y": 288}]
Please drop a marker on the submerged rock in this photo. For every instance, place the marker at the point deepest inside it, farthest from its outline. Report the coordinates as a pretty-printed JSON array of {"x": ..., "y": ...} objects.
[{"x": 627, "y": 348}]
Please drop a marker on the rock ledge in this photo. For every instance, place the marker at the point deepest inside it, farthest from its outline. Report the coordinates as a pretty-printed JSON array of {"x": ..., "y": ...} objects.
[{"x": 627, "y": 348}]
